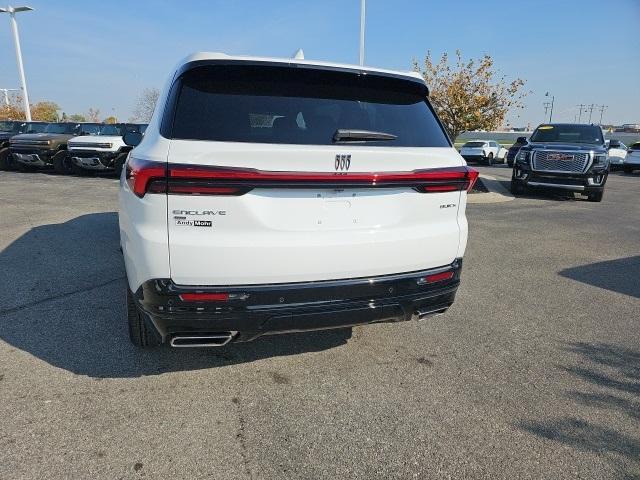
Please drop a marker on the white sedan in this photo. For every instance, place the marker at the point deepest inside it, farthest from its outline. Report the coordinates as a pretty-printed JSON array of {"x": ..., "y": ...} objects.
[{"x": 486, "y": 151}]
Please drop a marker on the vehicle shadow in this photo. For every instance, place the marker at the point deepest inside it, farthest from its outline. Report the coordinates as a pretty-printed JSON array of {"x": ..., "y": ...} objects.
[
  {"x": 63, "y": 301},
  {"x": 615, "y": 275},
  {"x": 613, "y": 374}
]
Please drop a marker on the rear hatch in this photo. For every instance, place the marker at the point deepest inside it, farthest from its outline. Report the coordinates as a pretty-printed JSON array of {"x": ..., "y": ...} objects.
[
  {"x": 472, "y": 149},
  {"x": 280, "y": 174}
]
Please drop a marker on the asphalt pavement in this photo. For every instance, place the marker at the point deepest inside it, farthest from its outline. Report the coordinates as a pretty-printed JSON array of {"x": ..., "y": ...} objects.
[{"x": 533, "y": 373}]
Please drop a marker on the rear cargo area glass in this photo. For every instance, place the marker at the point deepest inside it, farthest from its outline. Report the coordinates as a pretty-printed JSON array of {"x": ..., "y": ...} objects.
[{"x": 286, "y": 105}]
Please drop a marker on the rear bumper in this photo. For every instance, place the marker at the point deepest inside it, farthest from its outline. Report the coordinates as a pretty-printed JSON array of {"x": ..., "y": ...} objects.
[
  {"x": 256, "y": 310},
  {"x": 475, "y": 158}
]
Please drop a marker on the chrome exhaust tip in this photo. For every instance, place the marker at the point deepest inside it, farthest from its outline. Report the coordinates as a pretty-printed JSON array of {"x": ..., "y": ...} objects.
[
  {"x": 202, "y": 340},
  {"x": 425, "y": 313}
]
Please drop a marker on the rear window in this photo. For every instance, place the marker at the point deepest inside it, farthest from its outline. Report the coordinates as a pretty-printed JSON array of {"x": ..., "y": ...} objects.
[
  {"x": 635, "y": 146},
  {"x": 300, "y": 106},
  {"x": 473, "y": 145},
  {"x": 559, "y": 133}
]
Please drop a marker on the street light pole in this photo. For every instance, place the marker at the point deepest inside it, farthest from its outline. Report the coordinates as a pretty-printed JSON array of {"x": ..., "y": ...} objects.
[
  {"x": 16, "y": 39},
  {"x": 362, "y": 18}
]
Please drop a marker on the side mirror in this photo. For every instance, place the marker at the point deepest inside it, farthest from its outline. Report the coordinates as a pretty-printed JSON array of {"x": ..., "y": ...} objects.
[
  {"x": 521, "y": 140},
  {"x": 132, "y": 139}
]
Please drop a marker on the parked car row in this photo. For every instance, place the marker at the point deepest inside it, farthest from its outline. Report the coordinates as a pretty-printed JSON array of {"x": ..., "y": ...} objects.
[
  {"x": 67, "y": 147},
  {"x": 490, "y": 152}
]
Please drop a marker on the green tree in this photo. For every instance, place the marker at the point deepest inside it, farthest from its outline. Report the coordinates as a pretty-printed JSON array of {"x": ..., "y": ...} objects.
[
  {"x": 469, "y": 95},
  {"x": 77, "y": 117}
]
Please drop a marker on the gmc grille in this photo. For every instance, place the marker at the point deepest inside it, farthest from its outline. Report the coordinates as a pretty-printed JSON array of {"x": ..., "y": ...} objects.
[{"x": 571, "y": 162}]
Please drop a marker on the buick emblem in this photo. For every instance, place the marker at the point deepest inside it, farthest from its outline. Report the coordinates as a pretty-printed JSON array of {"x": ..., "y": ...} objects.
[{"x": 343, "y": 162}]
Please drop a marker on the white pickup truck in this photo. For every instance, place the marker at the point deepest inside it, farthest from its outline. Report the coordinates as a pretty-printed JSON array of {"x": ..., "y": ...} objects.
[{"x": 103, "y": 151}]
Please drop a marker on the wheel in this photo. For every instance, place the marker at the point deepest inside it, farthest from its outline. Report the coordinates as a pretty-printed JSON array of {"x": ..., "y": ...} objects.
[
  {"x": 628, "y": 169},
  {"x": 517, "y": 188},
  {"x": 490, "y": 159},
  {"x": 141, "y": 333},
  {"x": 510, "y": 163},
  {"x": 6, "y": 160},
  {"x": 61, "y": 163},
  {"x": 596, "y": 196},
  {"x": 118, "y": 163}
]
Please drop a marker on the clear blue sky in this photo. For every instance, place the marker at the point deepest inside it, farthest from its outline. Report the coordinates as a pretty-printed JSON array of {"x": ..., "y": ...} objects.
[{"x": 99, "y": 53}]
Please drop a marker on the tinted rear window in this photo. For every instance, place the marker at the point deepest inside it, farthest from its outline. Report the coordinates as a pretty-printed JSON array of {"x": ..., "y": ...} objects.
[
  {"x": 473, "y": 144},
  {"x": 300, "y": 106}
]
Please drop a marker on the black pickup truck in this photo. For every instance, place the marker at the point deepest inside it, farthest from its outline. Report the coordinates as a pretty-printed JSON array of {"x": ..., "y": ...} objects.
[{"x": 565, "y": 156}]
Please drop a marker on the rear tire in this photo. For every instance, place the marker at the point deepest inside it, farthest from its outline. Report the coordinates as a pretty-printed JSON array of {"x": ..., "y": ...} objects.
[
  {"x": 141, "y": 333},
  {"x": 60, "y": 163},
  {"x": 628, "y": 169},
  {"x": 596, "y": 197},
  {"x": 6, "y": 160},
  {"x": 490, "y": 159}
]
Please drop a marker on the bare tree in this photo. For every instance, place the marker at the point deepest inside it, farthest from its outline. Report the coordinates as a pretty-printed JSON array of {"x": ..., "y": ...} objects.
[
  {"x": 93, "y": 115},
  {"x": 146, "y": 104}
]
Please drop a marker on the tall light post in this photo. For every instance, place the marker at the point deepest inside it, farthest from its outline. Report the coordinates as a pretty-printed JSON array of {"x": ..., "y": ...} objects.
[
  {"x": 552, "y": 100},
  {"x": 16, "y": 39},
  {"x": 362, "y": 18}
]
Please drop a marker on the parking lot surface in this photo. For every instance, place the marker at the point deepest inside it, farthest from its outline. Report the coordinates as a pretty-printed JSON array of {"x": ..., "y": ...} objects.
[{"x": 533, "y": 373}]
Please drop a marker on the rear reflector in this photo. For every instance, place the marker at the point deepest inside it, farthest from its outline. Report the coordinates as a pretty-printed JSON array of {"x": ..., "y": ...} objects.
[
  {"x": 204, "y": 297},
  {"x": 178, "y": 179},
  {"x": 436, "y": 277}
]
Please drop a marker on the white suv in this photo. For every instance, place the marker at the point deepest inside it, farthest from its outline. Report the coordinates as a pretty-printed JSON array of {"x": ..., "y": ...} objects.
[{"x": 278, "y": 195}]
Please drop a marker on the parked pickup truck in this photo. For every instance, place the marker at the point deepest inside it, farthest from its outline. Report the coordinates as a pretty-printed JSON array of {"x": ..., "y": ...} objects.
[
  {"x": 10, "y": 129},
  {"x": 104, "y": 151},
  {"x": 33, "y": 150},
  {"x": 563, "y": 156}
]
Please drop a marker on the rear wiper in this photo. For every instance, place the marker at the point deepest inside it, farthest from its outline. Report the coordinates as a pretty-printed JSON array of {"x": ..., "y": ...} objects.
[{"x": 347, "y": 135}]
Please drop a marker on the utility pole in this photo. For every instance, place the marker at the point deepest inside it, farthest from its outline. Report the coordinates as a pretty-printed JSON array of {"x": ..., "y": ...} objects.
[
  {"x": 591, "y": 107},
  {"x": 580, "y": 115},
  {"x": 546, "y": 108},
  {"x": 552, "y": 100},
  {"x": 16, "y": 40},
  {"x": 362, "y": 18},
  {"x": 6, "y": 91},
  {"x": 602, "y": 109}
]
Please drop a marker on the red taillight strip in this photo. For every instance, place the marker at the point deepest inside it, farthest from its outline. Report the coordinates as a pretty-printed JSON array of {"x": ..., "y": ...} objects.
[
  {"x": 144, "y": 176},
  {"x": 436, "y": 277},
  {"x": 140, "y": 173},
  {"x": 204, "y": 297}
]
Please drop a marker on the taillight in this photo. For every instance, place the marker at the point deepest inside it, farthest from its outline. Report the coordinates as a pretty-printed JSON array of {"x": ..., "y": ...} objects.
[
  {"x": 204, "y": 297},
  {"x": 141, "y": 174},
  {"x": 179, "y": 179},
  {"x": 436, "y": 277}
]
